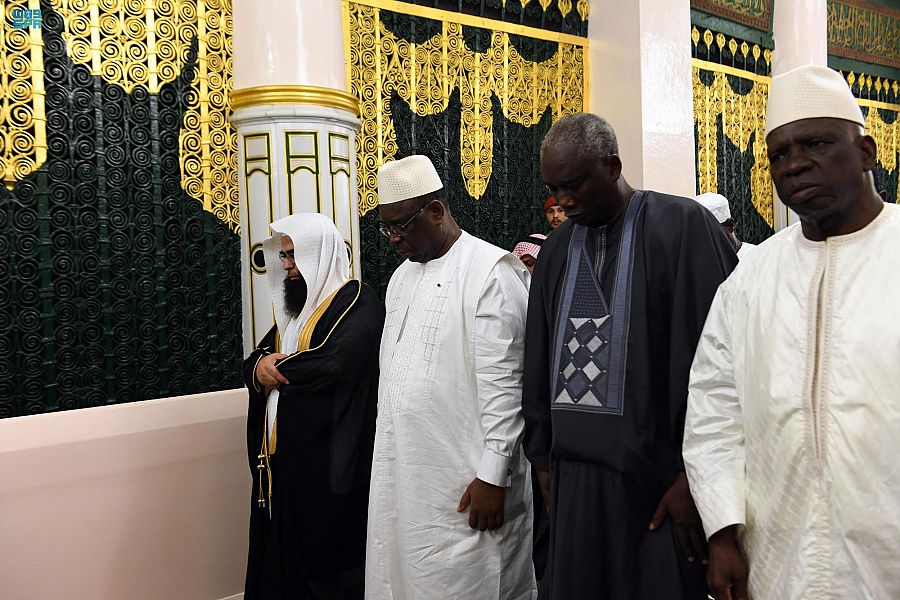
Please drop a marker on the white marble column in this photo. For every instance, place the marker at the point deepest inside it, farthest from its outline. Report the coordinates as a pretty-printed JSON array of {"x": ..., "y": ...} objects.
[
  {"x": 640, "y": 69},
  {"x": 296, "y": 128},
  {"x": 800, "y": 30}
]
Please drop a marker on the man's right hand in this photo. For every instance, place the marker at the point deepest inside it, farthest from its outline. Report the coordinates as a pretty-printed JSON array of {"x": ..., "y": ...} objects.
[
  {"x": 727, "y": 571},
  {"x": 543, "y": 476},
  {"x": 267, "y": 374}
]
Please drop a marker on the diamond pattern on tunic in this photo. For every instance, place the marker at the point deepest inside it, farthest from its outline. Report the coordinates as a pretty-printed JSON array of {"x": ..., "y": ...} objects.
[
  {"x": 590, "y": 399},
  {"x": 580, "y": 371},
  {"x": 592, "y": 370}
]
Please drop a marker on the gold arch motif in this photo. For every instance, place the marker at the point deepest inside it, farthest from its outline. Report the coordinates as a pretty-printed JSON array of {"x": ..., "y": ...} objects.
[
  {"x": 744, "y": 116},
  {"x": 426, "y": 75},
  {"x": 134, "y": 43}
]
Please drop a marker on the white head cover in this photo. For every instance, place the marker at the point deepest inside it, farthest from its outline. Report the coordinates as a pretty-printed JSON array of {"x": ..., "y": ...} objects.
[
  {"x": 407, "y": 178},
  {"x": 810, "y": 92},
  {"x": 321, "y": 257},
  {"x": 717, "y": 204}
]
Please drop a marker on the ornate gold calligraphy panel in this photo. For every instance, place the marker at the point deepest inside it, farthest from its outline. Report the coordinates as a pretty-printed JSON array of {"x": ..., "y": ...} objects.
[{"x": 864, "y": 31}]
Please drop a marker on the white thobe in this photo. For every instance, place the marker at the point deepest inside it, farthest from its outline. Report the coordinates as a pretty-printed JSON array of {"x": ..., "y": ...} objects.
[
  {"x": 289, "y": 340},
  {"x": 745, "y": 249},
  {"x": 793, "y": 421},
  {"x": 449, "y": 409}
]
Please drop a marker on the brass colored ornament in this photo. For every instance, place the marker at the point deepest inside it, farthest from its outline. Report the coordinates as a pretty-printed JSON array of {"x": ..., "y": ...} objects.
[{"x": 426, "y": 75}]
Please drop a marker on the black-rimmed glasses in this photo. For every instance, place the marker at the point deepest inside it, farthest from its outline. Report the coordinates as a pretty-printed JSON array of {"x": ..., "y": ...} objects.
[{"x": 400, "y": 230}]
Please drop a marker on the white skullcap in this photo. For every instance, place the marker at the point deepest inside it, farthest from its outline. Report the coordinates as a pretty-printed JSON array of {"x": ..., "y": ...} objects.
[
  {"x": 717, "y": 204},
  {"x": 810, "y": 92},
  {"x": 407, "y": 178}
]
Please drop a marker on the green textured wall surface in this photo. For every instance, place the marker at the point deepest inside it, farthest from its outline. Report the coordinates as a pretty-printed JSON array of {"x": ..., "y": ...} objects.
[{"x": 115, "y": 285}]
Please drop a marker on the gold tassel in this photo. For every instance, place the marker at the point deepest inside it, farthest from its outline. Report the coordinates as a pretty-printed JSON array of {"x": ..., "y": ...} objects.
[{"x": 261, "y": 502}]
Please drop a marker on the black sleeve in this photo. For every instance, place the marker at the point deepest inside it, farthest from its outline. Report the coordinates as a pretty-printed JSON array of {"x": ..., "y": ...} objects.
[
  {"x": 265, "y": 346},
  {"x": 703, "y": 258},
  {"x": 337, "y": 355},
  {"x": 257, "y": 397},
  {"x": 536, "y": 381}
]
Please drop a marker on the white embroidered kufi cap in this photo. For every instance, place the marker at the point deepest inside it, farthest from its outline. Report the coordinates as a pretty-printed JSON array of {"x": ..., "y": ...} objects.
[
  {"x": 717, "y": 204},
  {"x": 810, "y": 92},
  {"x": 407, "y": 178}
]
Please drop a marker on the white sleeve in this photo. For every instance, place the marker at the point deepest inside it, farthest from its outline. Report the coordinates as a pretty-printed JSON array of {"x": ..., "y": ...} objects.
[
  {"x": 714, "y": 426},
  {"x": 499, "y": 360}
]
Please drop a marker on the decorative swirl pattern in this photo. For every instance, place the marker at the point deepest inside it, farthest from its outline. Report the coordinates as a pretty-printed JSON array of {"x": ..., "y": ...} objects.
[
  {"x": 470, "y": 100},
  {"x": 115, "y": 285},
  {"x": 731, "y": 88},
  {"x": 141, "y": 47},
  {"x": 23, "y": 144},
  {"x": 425, "y": 75}
]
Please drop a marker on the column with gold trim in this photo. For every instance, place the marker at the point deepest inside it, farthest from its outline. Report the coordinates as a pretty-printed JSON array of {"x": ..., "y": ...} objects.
[{"x": 296, "y": 129}]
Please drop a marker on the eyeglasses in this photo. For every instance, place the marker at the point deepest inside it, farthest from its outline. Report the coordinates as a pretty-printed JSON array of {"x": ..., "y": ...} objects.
[
  {"x": 285, "y": 256},
  {"x": 400, "y": 230}
]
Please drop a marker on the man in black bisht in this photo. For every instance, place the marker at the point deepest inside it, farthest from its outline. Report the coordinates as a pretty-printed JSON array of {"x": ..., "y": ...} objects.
[
  {"x": 313, "y": 382},
  {"x": 618, "y": 299}
]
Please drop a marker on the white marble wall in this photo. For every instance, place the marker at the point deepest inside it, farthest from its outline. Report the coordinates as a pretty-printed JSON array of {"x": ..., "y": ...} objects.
[{"x": 294, "y": 154}]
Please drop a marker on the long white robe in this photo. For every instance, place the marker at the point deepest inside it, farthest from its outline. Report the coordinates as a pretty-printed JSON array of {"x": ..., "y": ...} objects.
[
  {"x": 793, "y": 422},
  {"x": 449, "y": 409},
  {"x": 746, "y": 248}
]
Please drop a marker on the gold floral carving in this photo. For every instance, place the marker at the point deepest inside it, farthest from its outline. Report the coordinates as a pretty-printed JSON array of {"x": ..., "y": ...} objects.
[
  {"x": 426, "y": 75},
  {"x": 132, "y": 43},
  {"x": 23, "y": 120},
  {"x": 744, "y": 117}
]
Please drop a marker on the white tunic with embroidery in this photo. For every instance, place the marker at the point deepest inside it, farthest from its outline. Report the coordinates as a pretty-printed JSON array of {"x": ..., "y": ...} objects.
[
  {"x": 793, "y": 423},
  {"x": 449, "y": 409}
]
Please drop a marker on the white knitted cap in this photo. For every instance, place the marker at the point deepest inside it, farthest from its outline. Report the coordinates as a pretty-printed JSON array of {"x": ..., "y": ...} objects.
[
  {"x": 407, "y": 178},
  {"x": 717, "y": 204},
  {"x": 810, "y": 92}
]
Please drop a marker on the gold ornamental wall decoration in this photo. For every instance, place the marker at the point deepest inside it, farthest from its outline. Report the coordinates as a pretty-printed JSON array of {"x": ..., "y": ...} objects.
[
  {"x": 23, "y": 120},
  {"x": 131, "y": 43},
  {"x": 744, "y": 117},
  {"x": 426, "y": 75}
]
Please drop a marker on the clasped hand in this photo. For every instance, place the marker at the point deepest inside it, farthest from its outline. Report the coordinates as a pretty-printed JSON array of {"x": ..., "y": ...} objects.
[{"x": 267, "y": 374}]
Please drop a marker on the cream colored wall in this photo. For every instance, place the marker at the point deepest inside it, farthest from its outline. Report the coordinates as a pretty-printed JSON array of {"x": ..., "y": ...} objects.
[
  {"x": 138, "y": 501},
  {"x": 640, "y": 62},
  {"x": 288, "y": 42}
]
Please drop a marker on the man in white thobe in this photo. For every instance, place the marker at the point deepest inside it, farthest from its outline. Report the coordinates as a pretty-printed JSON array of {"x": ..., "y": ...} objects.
[
  {"x": 450, "y": 507},
  {"x": 793, "y": 424},
  {"x": 717, "y": 204}
]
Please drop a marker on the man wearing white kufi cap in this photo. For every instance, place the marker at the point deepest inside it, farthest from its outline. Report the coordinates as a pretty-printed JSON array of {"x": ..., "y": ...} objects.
[
  {"x": 793, "y": 424},
  {"x": 313, "y": 385},
  {"x": 450, "y": 501},
  {"x": 717, "y": 204}
]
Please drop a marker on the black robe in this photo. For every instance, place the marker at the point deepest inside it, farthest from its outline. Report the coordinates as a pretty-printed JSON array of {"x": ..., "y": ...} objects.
[
  {"x": 609, "y": 471},
  {"x": 313, "y": 546}
]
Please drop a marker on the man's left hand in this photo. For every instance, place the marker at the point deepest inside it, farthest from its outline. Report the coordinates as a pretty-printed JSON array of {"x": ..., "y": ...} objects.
[
  {"x": 678, "y": 504},
  {"x": 485, "y": 504}
]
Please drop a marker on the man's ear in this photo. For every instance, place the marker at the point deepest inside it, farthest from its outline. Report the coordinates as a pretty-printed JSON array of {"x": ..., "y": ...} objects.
[
  {"x": 436, "y": 211},
  {"x": 614, "y": 164},
  {"x": 868, "y": 150}
]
